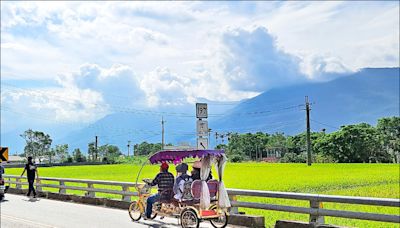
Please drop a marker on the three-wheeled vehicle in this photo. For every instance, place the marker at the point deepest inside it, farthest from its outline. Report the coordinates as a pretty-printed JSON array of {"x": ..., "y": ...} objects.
[{"x": 208, "y": 200}]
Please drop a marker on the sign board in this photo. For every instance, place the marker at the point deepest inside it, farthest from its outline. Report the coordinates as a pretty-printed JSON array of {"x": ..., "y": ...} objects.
[
  {"x": 202, "y": 143},
  {"x": 202, "y": 128},
  {"x": 3, "y": 153},
  {"x": 201, "y": 110}
]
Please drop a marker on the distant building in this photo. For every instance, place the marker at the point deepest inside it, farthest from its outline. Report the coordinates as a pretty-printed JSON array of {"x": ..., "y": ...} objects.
[
  {"x": 180, "y": 147},
  {"x": 14, "y": 159}
]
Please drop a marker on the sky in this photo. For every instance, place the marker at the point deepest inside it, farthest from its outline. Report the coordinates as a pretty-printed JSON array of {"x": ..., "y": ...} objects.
[{"x": 75, "y": 62}]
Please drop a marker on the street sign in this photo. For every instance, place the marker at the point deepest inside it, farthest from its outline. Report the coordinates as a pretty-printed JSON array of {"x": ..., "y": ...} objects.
[
  {"x": 202, "y": 128},
  {"x": 3, "y": 153},
  {"x": 202, "y": 143},
  {"x": 201, "y": 110}
]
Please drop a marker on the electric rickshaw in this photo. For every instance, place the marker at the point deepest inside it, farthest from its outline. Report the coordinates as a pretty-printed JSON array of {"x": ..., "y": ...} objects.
[{"x": 204, "y": 200}]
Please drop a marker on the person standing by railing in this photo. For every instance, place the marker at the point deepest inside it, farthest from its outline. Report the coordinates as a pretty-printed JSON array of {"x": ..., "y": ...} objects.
[{"x": 31, "y": 170}]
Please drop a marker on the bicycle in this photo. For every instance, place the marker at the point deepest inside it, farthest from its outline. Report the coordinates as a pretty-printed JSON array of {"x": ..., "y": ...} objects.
[{"x": 137, "y": 208}]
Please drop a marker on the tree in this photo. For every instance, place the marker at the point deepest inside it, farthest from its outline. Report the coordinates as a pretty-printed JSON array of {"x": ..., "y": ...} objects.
[
  {"x": 78, "y": 156},
  {"x": 353, "y": 144},
  {"x": 91, "y": 151},
  {"x": 62, "y": 152},
  {"x": 45, "y": 144},
  {"x": 389, "y": 129},
  {"x": 146, "y": 148},
  {"x": 37, "y": 144},
  {"x": 109, "y": 153}
]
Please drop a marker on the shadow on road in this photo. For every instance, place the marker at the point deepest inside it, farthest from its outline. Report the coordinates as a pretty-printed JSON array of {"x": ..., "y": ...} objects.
[
  {"x": 157, "y": 224},
  {"x": 32, "y": 200}
]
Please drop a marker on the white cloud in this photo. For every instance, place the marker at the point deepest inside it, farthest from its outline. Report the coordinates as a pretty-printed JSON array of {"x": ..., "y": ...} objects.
[
  {"x": 139, "y": 54},
  {"x": 55, "y": 104},
  {"x": 359, "y": 34}
]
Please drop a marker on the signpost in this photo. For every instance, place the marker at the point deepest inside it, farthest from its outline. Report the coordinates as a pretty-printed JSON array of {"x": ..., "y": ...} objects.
[
  {"x": 202, "y": 143},
  {"x": 3, "y": 153},
  {"x": 201, "y": 110},
  {"x": 202, "y": 126}
]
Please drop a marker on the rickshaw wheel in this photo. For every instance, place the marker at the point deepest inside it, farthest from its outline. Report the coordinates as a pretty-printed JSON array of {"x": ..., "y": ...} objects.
[
  {"x": 134, "y": 211},
  {"x": 189, "y": 218},
  {"x": 221, "y": 221}
]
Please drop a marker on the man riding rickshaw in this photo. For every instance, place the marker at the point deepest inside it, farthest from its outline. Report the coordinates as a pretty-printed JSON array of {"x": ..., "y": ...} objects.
[{"x": 190, "y": 200}]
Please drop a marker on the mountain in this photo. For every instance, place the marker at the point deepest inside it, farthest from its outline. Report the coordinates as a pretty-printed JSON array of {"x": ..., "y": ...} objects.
[{"x": 364, "y": 96}]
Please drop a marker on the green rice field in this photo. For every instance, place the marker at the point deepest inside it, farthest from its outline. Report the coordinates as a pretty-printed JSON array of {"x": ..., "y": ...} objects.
[{"x": 371, "y": 180}]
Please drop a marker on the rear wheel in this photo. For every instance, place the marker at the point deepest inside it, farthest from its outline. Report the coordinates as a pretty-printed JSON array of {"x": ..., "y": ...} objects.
[
  {"x": 221, "y": 221},
  {"x": 134, "y": 211},
  {"x": 189, "y": 218}
]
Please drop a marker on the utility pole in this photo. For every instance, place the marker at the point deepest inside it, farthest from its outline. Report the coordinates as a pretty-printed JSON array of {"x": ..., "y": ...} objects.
[
  {"x": 95, "y": 148},
  {"x": 216, "y": 139},
  {"x": 162, "y": 132},
  {"x": 129, "y": 144},
  {"x": 308, "y": 132}
]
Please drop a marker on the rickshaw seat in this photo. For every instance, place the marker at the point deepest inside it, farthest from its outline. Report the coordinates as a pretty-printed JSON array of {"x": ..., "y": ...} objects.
[{"x": 213, "y": 186}]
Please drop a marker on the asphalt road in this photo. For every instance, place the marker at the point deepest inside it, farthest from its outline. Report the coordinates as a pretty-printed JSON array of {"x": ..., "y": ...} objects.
[{"x": 23, "y": 212}]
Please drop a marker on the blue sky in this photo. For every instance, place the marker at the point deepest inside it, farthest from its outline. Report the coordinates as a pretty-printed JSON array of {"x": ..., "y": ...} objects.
[{"x": 73, "y": 62}]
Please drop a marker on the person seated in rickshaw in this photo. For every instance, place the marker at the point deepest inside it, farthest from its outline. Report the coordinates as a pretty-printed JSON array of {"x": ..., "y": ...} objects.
[
  {"x": 182, "y": 179},
  {"x": 165, "y": 182},
  {"x": 196, "y": 171}
]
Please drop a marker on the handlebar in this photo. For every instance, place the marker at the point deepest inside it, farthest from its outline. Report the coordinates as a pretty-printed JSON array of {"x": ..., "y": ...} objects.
[{"x": 147, "y": 180}]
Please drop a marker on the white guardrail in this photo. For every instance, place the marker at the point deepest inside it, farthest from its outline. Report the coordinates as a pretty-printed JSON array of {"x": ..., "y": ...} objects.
[{"x": 316, "y": 210}]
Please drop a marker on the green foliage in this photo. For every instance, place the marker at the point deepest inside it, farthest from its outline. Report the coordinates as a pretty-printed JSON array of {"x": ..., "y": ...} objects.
[
  {"x": 236, "y": 158},
  {"x": 78, "y": 156},
  {"x": 359, "y": 143},
  {"x": 353, "y": 143},
  {"x": 92, "y": 153},
  {"x": 69, "y": 159},
  {"x": 37, "y": 144},
  {"x": 294, "y": 158},
  {"x": 109, "y": 153},
  {"x": 134, "y": 160},
  {"x": 61, "y": 152},
  {"x": 146, "y": 148},
  {"x": 389, "y": 129}
]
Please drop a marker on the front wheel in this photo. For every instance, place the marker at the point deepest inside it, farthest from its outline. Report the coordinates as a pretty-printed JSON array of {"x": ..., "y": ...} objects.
[
  {"x": 221, "y": 221},
  {"x": 189, "y": 218},
  {"x": 134, "y": 211}
]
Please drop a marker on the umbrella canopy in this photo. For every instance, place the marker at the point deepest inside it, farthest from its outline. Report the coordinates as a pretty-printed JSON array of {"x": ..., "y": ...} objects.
[{"x": 177, "y": 156}]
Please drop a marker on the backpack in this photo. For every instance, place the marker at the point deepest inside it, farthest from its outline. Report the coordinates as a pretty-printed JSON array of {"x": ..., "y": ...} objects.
[{"x": 187, "y": 189}]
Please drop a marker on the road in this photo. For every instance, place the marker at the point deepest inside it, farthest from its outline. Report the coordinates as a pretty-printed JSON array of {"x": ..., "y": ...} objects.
[{"x": 23, "y": 212}]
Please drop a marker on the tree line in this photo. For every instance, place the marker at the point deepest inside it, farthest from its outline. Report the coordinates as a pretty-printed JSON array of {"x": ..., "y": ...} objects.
[
  {"x": 358, "y": 143},
  {"x": 38, "y": 145}
]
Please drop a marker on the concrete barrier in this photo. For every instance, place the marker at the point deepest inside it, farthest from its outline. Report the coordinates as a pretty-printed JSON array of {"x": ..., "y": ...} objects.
[
  {"x": 247, "y": 220},
  {"x": 298, "y": 224}
]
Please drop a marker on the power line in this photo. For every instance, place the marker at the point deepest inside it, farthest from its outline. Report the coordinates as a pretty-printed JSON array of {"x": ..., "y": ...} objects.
[
  {"x": 325, "y": 124},
  {"x": 73, "y": 100}
]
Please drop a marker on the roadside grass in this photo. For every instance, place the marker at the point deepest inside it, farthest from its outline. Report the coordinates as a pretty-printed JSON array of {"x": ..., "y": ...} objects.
[{"x": 369, "y": 180}]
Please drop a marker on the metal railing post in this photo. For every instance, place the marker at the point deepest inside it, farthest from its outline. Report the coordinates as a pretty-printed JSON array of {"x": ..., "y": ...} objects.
[
  {"x": 316, "y": 219},
  {"x": 125, "y": 188},
  {"x": 62, "y": 190},
  {"x": 234, "y": 210},
  {"x": 90, "y": 193},
  {"x": 18, "y": 186},
  {"x": 38, "y": 183}
]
